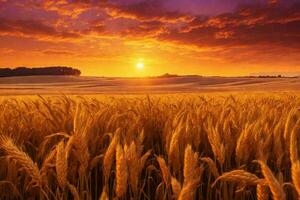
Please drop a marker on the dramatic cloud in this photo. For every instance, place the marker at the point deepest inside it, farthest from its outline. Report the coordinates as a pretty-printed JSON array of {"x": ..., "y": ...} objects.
[
  {"x": 244, "y": 34},
  {"x": 32, "y": 28},
  {"x": 272, "y": 24},
  {"x": 146, "y": 10}
]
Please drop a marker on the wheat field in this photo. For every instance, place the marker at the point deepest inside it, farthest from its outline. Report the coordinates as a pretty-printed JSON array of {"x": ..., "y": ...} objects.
[{"x": 185, "y": 146}]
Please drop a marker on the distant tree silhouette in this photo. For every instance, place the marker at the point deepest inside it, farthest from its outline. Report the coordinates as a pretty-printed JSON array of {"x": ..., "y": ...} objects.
[
  {"x": 270, "y": 76},
  {"x": 167, "y": 75},
  {"x": 40, "y": 71}
]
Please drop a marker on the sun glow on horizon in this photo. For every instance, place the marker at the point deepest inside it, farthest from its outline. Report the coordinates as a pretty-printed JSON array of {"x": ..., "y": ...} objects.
[{"x": 140, "y": 65}]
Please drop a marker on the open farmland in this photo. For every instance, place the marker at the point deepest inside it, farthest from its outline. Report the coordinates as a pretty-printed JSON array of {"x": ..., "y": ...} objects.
[
  {"x": 105, "y": 85},
  {"x": 213, "y": 146}
]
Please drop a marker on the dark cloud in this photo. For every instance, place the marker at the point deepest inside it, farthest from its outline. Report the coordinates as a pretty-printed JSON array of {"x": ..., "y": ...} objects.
[
  {"x": 146, "y": 10},
  {"x": 253, "y": 21},
  {"x": 271, "y": 24},
  {"x": 145, "y": 28},
  {"x": 32, "y": 28},
  {"x": 251, "y": 35}
]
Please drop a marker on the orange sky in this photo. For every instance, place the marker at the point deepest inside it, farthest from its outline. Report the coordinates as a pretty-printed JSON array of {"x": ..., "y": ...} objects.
[{"x": 108, "y": 38}]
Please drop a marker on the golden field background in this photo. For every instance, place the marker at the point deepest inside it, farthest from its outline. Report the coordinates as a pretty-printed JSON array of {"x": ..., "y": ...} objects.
[
  {"x": 87, "y": 85},
  {"x": 188, "y": 146}
]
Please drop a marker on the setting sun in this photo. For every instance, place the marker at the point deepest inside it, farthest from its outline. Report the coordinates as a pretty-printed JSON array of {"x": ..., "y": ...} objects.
[{"x": 140, "y": 65}]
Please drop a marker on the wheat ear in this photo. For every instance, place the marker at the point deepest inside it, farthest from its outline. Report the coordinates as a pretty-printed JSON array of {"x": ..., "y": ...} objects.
[
  {"x": 295, "y": 157},
  {"x": 275, "y": 187},
  {"x": 239, "y": 176},
  {"x": 61, "y": 165},
  {"x": 262, "y": 192},
  {"x": 121, "y": 172},
  {"x": 19, "y": 156},
  {"x": 109, "y": 157}
]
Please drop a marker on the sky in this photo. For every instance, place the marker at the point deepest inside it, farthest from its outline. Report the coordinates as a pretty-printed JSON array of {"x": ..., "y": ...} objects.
[{"x": 113, "y": 37}]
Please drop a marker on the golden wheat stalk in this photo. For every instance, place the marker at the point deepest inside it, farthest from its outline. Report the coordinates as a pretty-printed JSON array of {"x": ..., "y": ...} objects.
[
  {"x": 176, "y": 187},
  {"x": 121, "y": 172},
  {"x": 289, "y": 123},
  {"x": 173, "y": 153},
  {"x": 143, "y": 159},
  {"x": 48, "y": 163},
  {"x": 188, "y": 191},
  {"x": 192, "y": 174},
  {"x": 242, "y": 148},
  {"x": 78, "y": 145},
  {"x": 132, "y": 158},
  {"x": 190, "y": 163},
  {"x": 61, "y": 165},
  {"x": 19, "y": 156},
  {"x": 212, "y": 166},
  {"x": 275, "y": 187},
  {"x": 109, "y": 156},
  {"x": 296, "y": 176},
  {"x": 216, "y": 144},
  {"x": 164, "y": 170},
  {"x": 295, "y": 157},
  {"x": 135, "y": 163},
  {"x": 239, "y": 176},
  {"x": 82, "y": 151},
  {"x": 262, "y": 192}
]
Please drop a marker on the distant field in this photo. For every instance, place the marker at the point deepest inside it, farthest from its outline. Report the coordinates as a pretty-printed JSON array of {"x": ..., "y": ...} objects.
[{"x": 98, "y": 85}]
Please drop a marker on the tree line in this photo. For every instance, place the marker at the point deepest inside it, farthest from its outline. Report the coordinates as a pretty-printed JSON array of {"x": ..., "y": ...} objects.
[{"x": 39, "y": 71}]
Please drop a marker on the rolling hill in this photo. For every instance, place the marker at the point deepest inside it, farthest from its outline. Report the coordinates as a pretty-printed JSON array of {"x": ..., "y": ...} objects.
[{"x": 98, "y": 85}]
